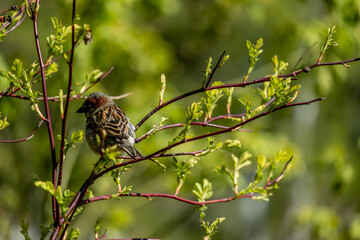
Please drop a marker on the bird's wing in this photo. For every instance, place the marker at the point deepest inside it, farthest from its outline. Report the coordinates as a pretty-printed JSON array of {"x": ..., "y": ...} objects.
[{"x": 113, "y": 120}]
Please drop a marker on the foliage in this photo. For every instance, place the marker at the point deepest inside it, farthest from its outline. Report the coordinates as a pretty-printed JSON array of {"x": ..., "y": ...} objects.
[{"x": 139, "y": 41}]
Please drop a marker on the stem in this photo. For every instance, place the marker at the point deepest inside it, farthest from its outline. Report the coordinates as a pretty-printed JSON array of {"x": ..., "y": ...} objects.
[
  {"x": 175, "y": 197},
  {"x": 55, "y": 206},
  {"x": 161, "y": 152},
  {"x": 243, "y": 84},
  {"x": 164, "y": 195},
  {"x": 214, "y": 69},
  {"x": 67, "y": 102},
  {"x": 204, "y": 124},
  {"x": 24, "y": 139}
]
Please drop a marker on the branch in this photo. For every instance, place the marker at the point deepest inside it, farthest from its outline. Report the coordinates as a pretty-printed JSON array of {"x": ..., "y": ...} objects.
[
  {"x": 188, "y": 201},
  {"x": 47, "y": 64},
  {"x": 23, "y": 16},
  {"x": 217, "y": 66},
  {"x": 162, "y": 151},
  {"x": 62, "y": 144},
  {"x": 55, "y": 206},
  {"x": 281, "y": 175},
  {"x": 204, "y": 124},
  {"x": 12, "y": 94},
  {"x": 24, "y": 139},
  {"x": 164, "y": 195},
  {"x": 67, "y": 102},
  {"x": 242, "y": 84}
]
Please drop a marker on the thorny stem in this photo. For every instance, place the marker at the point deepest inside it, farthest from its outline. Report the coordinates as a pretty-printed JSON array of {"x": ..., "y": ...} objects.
[{"x": 55, "y": 206}]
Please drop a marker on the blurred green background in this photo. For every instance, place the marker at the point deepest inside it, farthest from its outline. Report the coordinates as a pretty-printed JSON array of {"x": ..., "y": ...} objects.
[{"x": 318, "y": 199}]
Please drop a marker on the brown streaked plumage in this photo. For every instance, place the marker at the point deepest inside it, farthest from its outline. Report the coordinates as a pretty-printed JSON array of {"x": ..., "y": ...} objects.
[{"x": 104, "y": 117}]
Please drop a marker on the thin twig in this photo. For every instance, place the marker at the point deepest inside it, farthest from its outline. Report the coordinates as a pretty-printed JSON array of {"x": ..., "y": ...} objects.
[
  {"x": 217, "y": 66},
  {"x": 67, "y": 101},
  {"x": 26, "y": 138},
  {"x": 281, "y": 175},
  {"x": 229, "y": 129},
  {"x": 55, "y": 206},
  {"x": 242, "y": 84},
  {"x": 7, "y": 93},
  {"x": 175, "y": 125},
  {"x": 23, "y": 16},
  {"x": 188, "y": 201},
  {"x": 62, "y": 144}
]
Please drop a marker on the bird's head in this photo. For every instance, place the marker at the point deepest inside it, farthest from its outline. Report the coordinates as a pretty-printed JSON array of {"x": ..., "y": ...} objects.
[{"x": 94, "y": 101}]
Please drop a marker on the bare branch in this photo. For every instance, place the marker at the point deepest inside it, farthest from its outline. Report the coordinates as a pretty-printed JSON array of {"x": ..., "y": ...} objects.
[
  {"x": 55, "y": 206},
  {"x": 24, "y": 139}
]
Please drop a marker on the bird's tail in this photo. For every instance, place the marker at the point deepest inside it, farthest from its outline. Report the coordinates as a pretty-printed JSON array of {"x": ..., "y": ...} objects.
[{"x": 131, "y": 151}]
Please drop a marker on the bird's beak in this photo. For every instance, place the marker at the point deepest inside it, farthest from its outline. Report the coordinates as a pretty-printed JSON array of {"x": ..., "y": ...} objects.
[{"x": 82, "y": 109}]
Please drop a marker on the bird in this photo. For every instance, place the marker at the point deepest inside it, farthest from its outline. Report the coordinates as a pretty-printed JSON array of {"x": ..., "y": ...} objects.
[{"x": 107, "y": 125}]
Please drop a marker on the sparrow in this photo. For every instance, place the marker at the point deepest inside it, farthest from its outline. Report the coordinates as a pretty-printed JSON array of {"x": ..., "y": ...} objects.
[{"x": 107, "y": 125}]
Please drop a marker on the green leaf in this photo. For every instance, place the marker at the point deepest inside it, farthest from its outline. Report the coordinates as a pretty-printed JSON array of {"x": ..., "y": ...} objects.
[
  {"x": 73, "y": 234},
  {"x": 210, "y": 229},
  {"x": 229, "y": 93},
  {"x": 283, "y": 91},
  {"x": 203, "y": 191},
  {"x": 224, "y": 60},
  {"x": 247, "y": 104},
  {"x": 207, "y": 71},
  {"x": 97, "y": 228},
  {"x": 76, "y": 137},
  {"x": 47, "y": 186},
  {"x": 163, "y": 87},
  {"x": 51, "y": 69},
  {"x": 182, "y": 168},
  {"x": 261, "y": 161},
  {"x": 194, "y": 113},
  {"x": 254, "y": 51},
  {"x": 61, "y": 103},
  {"x": 278, "y": 66},
  {"x": 212, "y": 97},
  {"x": 90, "y": 79},
  {"x": 45, "y": 230},
  {"x": 329, "y": 41},
  {"x": 3, "y": 123},
  {"x": 231, "y": 144},
  {"x": 24, "y": 228}
]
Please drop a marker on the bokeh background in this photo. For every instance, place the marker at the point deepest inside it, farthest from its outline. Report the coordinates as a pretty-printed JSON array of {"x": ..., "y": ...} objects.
[{"x": 318, "y": 199}]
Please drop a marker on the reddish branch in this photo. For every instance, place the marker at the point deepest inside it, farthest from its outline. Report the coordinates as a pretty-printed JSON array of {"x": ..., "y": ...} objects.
[
  {"x": 77, "y": 201},
  {"x": 161, "y": 152},
  {"x": 242, "y": 84},
  {"x": 67, "y": 101},
  {"x": 55, "y": 206},
  {"x": 62, "y": 144},
  {"x": 24, "y": 139},
  {"x": 171, "y": 196},
  {"x": 12, "y": 94},
  {"x": 175, "y": 125}
]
